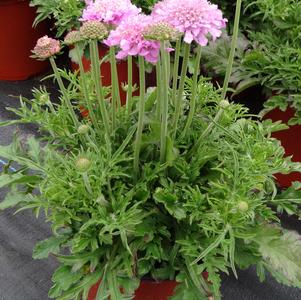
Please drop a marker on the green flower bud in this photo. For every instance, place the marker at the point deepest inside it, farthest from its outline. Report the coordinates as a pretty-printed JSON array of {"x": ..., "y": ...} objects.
[
  {"x": 73, "y": 37},
  {"x": 83, "y": 129},
  {"x": 94, "y": 30},
  {"x": 161, "y": 32},
  {"x": 243, "y": 206},
  {"x": 44, "y": 98},
  {"x": 224, "y": 104},
  {"x": 83, "y": 164}
]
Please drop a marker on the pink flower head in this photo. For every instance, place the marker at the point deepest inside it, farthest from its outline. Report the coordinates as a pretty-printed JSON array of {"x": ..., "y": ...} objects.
[
  {"x": 129, "y": 37},
  {"x": 112, "y": 12},
  {"x": 195, "y": 18},
  {"x": 46, "y": 47}
]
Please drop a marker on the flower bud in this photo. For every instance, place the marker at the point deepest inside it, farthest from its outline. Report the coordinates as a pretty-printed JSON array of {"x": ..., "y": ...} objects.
[
  {"x": 83, "y": 164},
  {"x": 83, "y": 129},
  {"x": 94, "y": 30},
  {"x": 73, "y": 37},
  {"x": 46, "y": 47},
  {"x": 102, "y": 201},
  {"x": 243, "y": 206},
  {"x": 44, "y": 98},
  {"x": 161, "y": 32},
  {"x": 224, "y": 104}
]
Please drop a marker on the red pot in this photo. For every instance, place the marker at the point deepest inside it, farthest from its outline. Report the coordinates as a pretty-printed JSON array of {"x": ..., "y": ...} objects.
[
  {"x": 290, "y": 140},
  {"x": 106, "y": 71},
  {"x": 149, "y": 290},
  {"x": 17, "y": 39}
]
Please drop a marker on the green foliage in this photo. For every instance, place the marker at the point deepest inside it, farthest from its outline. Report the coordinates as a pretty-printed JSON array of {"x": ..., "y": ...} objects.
[
  {"x": 65, "y": 14},
  {"x": 146, "y": 5},
  {"x": 176, "y": 221}
]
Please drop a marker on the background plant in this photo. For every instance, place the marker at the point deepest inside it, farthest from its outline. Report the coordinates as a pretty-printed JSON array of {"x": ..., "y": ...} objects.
[
  {"x": 64, "y": 14},
  {"x": 269, "y": 55}
]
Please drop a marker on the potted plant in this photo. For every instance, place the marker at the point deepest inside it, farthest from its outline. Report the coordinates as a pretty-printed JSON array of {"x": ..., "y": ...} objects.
[
  {"x": 17, "y": 38},
  {"x": 176, "y": 183}
]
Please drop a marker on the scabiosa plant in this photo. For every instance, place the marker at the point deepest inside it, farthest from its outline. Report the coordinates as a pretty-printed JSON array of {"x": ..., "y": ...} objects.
[
  {"x": 140, "y": 197},
  {"x": 110, "y": 12}
]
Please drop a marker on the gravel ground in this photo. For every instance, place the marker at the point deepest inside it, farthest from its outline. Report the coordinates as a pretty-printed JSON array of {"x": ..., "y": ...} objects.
[{"x": 22, "y": 278}]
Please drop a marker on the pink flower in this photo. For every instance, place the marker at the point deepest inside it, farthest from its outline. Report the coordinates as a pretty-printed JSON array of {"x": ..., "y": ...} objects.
[
  {"x": 46, "y": 47},
  {"x": 195, "y": 18},
  {"x": 129, "y": 37},
  {"x": 112, "y": 12}
]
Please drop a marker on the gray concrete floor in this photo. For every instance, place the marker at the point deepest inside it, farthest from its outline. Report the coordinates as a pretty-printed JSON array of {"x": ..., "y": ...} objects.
[{"x": 22, "y": 278}]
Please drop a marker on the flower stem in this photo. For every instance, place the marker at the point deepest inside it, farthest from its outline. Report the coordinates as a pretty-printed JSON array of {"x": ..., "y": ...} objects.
[
  {"x": 194, "y": 90},
  {"x": 141, "y": 104},
  {"x": 159, "y": 89},
  {"x": 175, "y": 72},
  {"x": 164, "y": 102},
  {"x": 116, "y": 102},
  {"x": 64, "y": 91},
  {"x": 84, "y": 85},
  {"x": 87, "y": 182},
  {"x": 98, "y": 86},
  {"x": 233, "y": 48},
  {"x": 129, "y": 96},
  {"x": 179, "y": 98}
]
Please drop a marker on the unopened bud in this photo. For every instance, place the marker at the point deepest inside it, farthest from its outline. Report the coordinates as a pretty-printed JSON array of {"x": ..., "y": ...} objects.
[
  {"x": 44, "y": 98},
  {"x": 73, "y": 37},
  {"x": 94, "y": 30},
  {"x": 243, "y": 206},
  {"x": 161, "y": 32},
  {"x": 83, "y": 129},
  {"x": 83, "y": 164},
  {"x": 224, "y": 104}
]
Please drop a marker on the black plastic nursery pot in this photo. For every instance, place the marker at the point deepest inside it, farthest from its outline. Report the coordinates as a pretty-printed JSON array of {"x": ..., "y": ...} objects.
[
  {"x": 17, "y": 39},
  {"x": 290, "y": 140}
]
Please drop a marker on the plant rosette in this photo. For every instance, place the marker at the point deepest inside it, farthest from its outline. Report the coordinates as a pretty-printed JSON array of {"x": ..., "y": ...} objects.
[{"x": 173, "y": 184}]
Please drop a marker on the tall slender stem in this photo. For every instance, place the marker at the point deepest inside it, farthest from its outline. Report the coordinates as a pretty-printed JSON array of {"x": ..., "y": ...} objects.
[
  {"x": 159, "y": 88},
  {"x": 98, "y": 86},
  {"x": 175, "y": 72},
  {"x": 179, "y": 98},
  {"x": 138, "y": 141},
  {"x": 114, "y": 76},
  {"x": 233, "y": 48},
  {"x": 164, "y": 103},
  {"x": 113, "y": 86},
  {"x": 64, "y": 91},
  {"x": 129, "y": 97},
  {"x": 194, "y": 90},
  {"x": 84, "y": 85}
]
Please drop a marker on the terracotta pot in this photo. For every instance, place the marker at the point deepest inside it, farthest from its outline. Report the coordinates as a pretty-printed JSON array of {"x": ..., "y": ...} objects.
[
  {"x": 17, "y": 39},
  {"x": 290, "y": 140},
  {"x": 106, "y": 71},
  {"x": 149, "y": 290}
]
